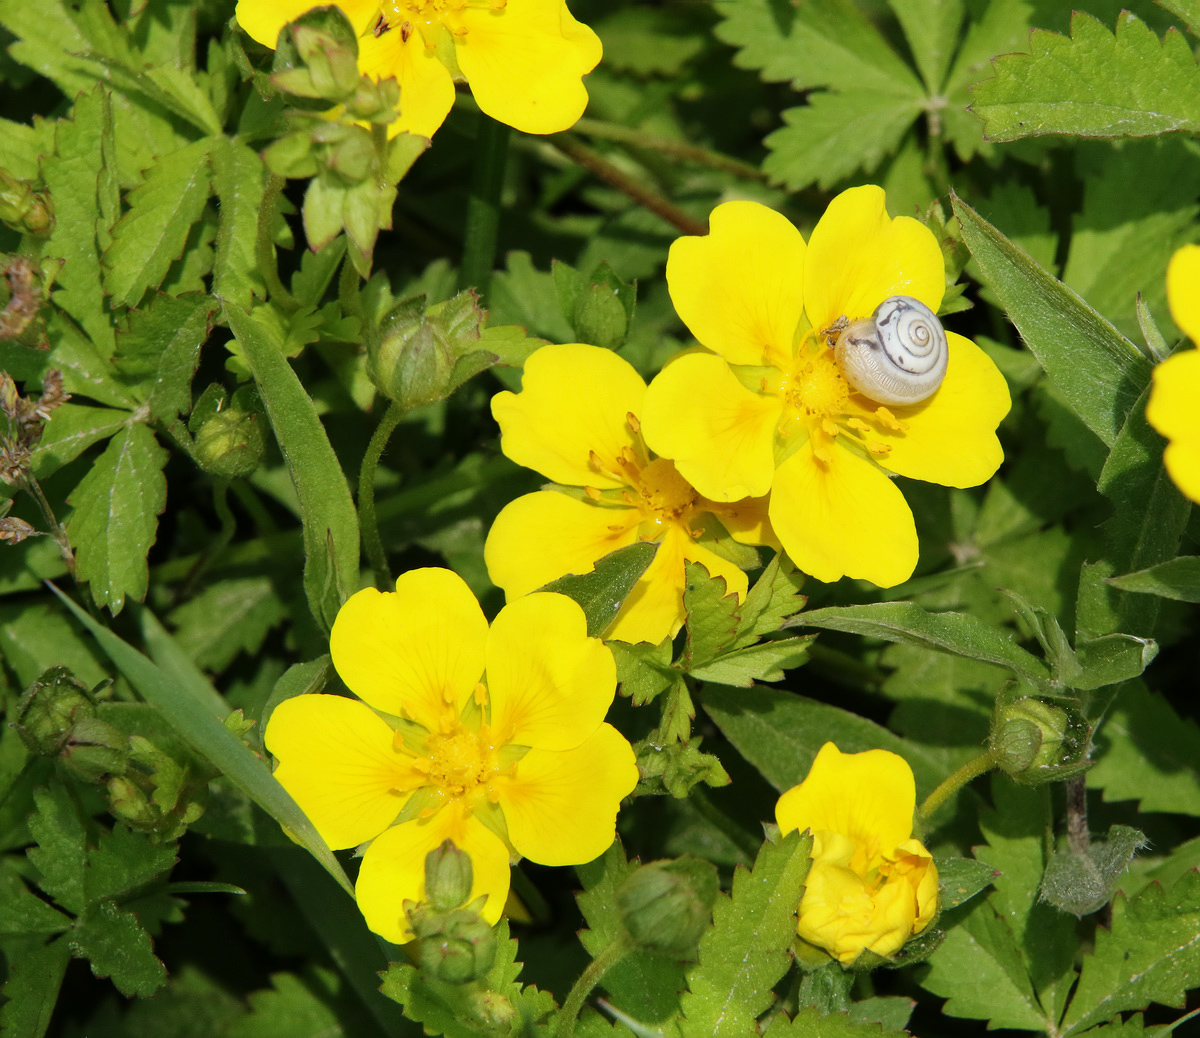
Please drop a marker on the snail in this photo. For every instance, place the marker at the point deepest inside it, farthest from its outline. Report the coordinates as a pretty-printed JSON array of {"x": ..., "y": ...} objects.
[{"x": 898, "y": 355}]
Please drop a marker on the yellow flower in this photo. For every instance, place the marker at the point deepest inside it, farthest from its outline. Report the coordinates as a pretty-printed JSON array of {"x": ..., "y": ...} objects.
[
  {"x": 520, "y": 765},
  {"x": 576, "y": 422},
  {"x": 1171, "y": 408},
  {"x": 523, "y": 59},
  {"x": 871, "y": 886},
  {"x": 769, "y": 409}
]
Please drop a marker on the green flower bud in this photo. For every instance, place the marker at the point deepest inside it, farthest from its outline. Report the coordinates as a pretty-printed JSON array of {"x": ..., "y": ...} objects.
[
  {"x": 317, "y": 56},
  {"x": 418, "y": 356},
  {"x": 354, "y": 158},
  {"x": 448, "y": 877},
  {"x": 49, "y": 709},
  {"x": 667, "y": 905},
  {"x": 95, "y": 749},
  {"x": 496, "y": 1012},
  {"x": 456, "y": 947},
  {"x": 229, "y": 438},
  {"x": 1035, "y": 741},
  {"x": 22, "y": 208},
  {"x": 129, "y": 803},
  {"x": 292, "y": 156}
]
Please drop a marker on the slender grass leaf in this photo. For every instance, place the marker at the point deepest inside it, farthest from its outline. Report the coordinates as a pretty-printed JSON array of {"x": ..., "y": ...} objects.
[
  {"x": 116, "y": 516},
  {"x": 1099, "y": 372},
  {"x": 326, "y": 508},
  {"x": 1093, "y": 84},
  {"x": 193, "y": 718},
  {"x": 153, "y": 233},
  {"x": 1177, "y": 578},
  {"x": 959, "y": 634},
  {"x": 602, "y": 592},
  {"x": 31, "y": 991},
  {"x": 171, "y": 658}
]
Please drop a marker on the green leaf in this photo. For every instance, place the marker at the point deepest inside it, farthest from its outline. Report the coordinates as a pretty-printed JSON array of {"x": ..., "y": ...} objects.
[
  {"x": 1100, "y": 373},
  {"x": 123, "y": 861},
  {"x": 1113, "y": 659},
  {"x": 22, "y": 913},
  {"x": 1149, "y": 954},
  {"x": 117, "y": 946},
  {"x": 1083, "y": 882},
  {"x": 1177, "y": 578},
  {"x": 931, "y": 29},
  {"x": 780, "y": 733},
  {"x": 160, "y": 349},
  {"x": 300, "y": 1007},
  {"x": 152, "y": 234},
  {"x": 712, "y": 616},
  {"x": 227, "y": 617},
  {"x": 960, "y": 879},
  {"x": 960, "y": 634},
  {"x": 326, "y": 508},
  {"x": 72, "y": 429},
  {"x": 31, "y": 991},
  {"x": 602, "y": 592},
  {"x": 644, "y": 671},
  {"x": 749, "y": 945},
  {"x": 773, "y": 598},
  {"x": 49, "y": 41},
  {"x": 196, "y": 717},
  {"x": 812, "y": 1023},
  {"x": 60, "y": 852},
  {"x": 1093, "y": 84},
  {"x": 1148, "y": 753},
  {"x": 1187, "y": 10},
  {"x": 764, "y": 662},
  {"x": 116, "y": 517},
  {"x": 239, "y": 178}
]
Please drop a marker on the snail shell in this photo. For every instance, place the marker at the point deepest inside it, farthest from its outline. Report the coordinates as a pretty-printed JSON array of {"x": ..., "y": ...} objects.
[{"x": 898, "y": 355}]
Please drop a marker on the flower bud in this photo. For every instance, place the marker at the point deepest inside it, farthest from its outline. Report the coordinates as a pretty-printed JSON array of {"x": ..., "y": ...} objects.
[
  {"x": 229, "y": 438},
  {"x": 130, "y": 804},
  {"x": 448, "y": 877},
  {"x": 1035, "y": 741},
  {"x": 22, "y": 208},
  {"x": 456, "y": 947},
  {"x": 667, "y": 905},
  {"x": 95, "y": 749},
  {"x": 495, "y": 1011},
  {"x": 418, "y": 356},
  {"x": 49, "y": 709},
  {"x": 317, "y": 56}
]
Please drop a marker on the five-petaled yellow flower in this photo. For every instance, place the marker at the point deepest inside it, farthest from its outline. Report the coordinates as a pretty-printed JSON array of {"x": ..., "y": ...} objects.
[
  {"x": 520, "y": 763},
  {"x": 871, "y": 886},
  {"x": 1171, "y": 408},
  {"x": 768, "y": 409},
  {"x": 523, "y": 59},
  {"x": 576, "y": 422}
]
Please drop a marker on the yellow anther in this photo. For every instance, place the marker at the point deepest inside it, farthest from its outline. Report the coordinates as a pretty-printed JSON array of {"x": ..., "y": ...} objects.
[
  {"x": 876, "y": 447},
  {"x": 593, "y": 493},
  {"x": 631, "y": 420}
]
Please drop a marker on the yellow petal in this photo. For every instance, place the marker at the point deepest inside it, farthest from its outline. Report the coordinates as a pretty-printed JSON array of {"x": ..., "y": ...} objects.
[
  {"x": 426, "y": 87},
  {"x": 1183, "y": 290},
  {"x": 549, "y": 684},
  {"x": 573, "y": 404},
  {"x": 393, "y": 869},
  {"x": 525, "y": 63},
  {"x": 336, "y": 760},
  {"x": 951, "y": 437},
  {"x": 868, "y": 797},
  {"x": 262, "y": 19},
  {"x": 740, "y": 289},
  {"x": 858, "y": 256},
  {"x": 417, "y": 652},
  {"x": 843, "y": 517},
  {"x": 719, "y": 434},
  {"x": 540, "y": 537},
  {"x": 1171, "y": 409},
  {"x": 746, "y": 521},
  {"x": 561, "y": 807}
]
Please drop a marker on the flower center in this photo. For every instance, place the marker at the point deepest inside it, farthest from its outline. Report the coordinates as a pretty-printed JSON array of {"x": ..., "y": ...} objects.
[
  {"x": 818, "y": 388},
  {"x": 460, "y": 762},
  {"x": 426, "y": 16}
]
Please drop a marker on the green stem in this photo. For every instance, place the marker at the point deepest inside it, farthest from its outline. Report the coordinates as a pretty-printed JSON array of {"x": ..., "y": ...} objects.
[
  {"x": 34, "y": 489},
  {"x": 972, "y": 769},
  {"x": 368, "y": 524},
  {"x": 587, "y": 981},
  {"x": 483, "y": 205},
  {"x": 676, "y": 149}
]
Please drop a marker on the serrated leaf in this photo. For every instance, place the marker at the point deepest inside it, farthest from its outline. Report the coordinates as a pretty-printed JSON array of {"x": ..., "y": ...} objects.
[
  {"x": 643, "y": 671},
  {"x": 1177, "y": 578},
  {"x": 713, "y": 615},
  {"x": 931, "y": 29},
  {"x": 159, "y": 350},
  {"x": 117, "y": 946},
  {"x": 228, "y": 617},
  {"x": 22, "y": 913},
  {"x": 1187, "y": 10},
  {"x": 1094, "y": 84},
  {"x": 764, "y": 662},
  {"x": 49, "y": 41},
  {"x": 330, "y": 521},
  {"x": 123, "y": 861},
  {"x": 837, "y": 134},
  {"x": 298, "y": 1007},
  {"x": 60, "y": 852},
  {"x": 153, "y": 233},
  {"x": 1100, "y": 373},
  {"x": 960, "y": 634},
  {"x": 748, "y": 947},
  {"x": 71, "y": 430},
  {"x": 602, "y": 592},
  {"x": 812, "y": 1023},
  {"x": 1151, "y": 953},
  {"x": 773, "y": 598},
  {"x": 116, "y": 516},
  {"x": 239, "y": 179}
]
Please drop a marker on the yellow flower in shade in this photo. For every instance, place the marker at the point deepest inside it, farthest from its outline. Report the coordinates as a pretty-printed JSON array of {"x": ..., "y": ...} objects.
[
  {"x": 1171, "y": 408},
  {"x": 523, "y": 59},
  {"x": 576, "y": 422},
  {"x": 517, "y": 763},
  {"x": 870, "y": 886},
  {"x": 768, "y": 409}
]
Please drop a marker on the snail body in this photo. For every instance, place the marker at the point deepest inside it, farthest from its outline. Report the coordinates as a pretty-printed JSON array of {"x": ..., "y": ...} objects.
[{"x": 898, "y": 355}]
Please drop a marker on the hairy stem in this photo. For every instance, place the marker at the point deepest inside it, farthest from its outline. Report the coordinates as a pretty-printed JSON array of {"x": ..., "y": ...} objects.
[
  {"x": 953, "y": 783},
  {"x": 368, "y": 524},
  {"x": 587, "y": 981}
]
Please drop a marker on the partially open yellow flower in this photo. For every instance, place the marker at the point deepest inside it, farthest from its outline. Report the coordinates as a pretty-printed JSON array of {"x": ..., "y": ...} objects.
[
  {"x": 1171, "y": 408},
  {"x": 769, "y": 409},
  {"x": 523, "y": 59},
  {"x": 519, "y": 763},
  {"x": 576, "y": 422},
  {"x": 870, "y": 886}
]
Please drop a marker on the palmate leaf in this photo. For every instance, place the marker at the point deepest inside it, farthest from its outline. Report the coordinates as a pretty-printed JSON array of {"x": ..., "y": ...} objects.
[
  {"x": 1151, "y": 953},
  {"x": 116, "y": 516},
  {"x": 748, "y": 947},
  {"x": 1094, "y": 84}
]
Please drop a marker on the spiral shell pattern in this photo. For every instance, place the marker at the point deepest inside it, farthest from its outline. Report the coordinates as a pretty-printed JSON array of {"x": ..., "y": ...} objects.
[{"x": 898, "y": 355}]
